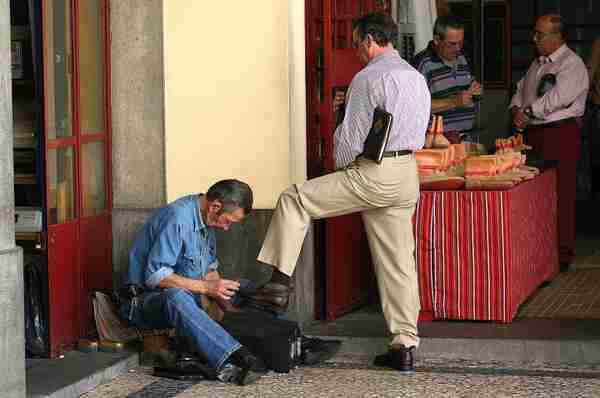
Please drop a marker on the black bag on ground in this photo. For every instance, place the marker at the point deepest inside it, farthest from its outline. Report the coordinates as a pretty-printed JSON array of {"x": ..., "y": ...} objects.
[
  {"x": 275, "y": 341},
  {"x": 36, "y": 306}
]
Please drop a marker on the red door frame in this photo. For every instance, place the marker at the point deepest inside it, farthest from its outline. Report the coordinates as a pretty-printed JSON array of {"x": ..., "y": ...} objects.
[
  {"x": 63, "y": 263},
  {"x": 95, "y": 232},
  {"x": 347, "y": 272},
  {"x": 89, "y": 238}
]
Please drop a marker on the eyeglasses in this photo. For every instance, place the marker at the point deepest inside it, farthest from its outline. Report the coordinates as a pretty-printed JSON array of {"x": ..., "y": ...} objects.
[
  {"x": 536, "y": 34},
  {"x": 457, "y": 44}
]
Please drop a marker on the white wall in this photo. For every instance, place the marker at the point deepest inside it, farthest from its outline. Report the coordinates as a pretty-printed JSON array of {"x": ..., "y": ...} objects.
[{"x": 234, "y": 89}]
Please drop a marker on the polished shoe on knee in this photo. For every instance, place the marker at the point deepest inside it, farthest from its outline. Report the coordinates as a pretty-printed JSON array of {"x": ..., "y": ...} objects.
[
  {"x": 398, "y": 357},
  {"x": 315, "y": 350},
  {"x": 272, "y": 296}
]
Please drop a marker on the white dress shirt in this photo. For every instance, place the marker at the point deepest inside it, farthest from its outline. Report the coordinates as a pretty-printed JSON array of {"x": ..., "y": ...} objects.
[
  {"x": 566, "y": 99},
  {"x": 388, "y": 82}
]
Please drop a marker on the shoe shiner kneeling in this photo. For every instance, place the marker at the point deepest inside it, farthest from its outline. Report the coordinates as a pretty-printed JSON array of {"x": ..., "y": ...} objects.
[{"x": 173, "y": 264}]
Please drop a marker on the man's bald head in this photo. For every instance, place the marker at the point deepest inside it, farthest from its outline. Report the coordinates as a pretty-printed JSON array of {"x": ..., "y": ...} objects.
[
  {"x": 549, "y": 33},
  {"x": 556, "y": 22}
]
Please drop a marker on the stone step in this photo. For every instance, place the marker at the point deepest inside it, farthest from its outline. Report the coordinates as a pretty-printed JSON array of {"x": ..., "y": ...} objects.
[
  {"x": 76, "y": 373},
  {"x": 559, "y": 341},
  {"x": 564, "y": 352}
]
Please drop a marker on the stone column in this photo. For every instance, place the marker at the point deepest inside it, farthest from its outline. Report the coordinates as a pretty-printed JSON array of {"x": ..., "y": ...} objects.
[
  {"x": 138, "y": 133},
  {"x": 12, "y": 331}
]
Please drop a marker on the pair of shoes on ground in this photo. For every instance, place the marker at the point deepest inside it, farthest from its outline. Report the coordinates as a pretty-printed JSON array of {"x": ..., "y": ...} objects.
[
  {"x": 242, "y": 368},
  {"x": 398, "y": 357}
]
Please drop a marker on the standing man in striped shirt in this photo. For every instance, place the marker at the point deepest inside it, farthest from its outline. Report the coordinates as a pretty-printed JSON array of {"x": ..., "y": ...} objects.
[
  {"x": 449, "y": 77},
  {"x": 386, "y": 194}
]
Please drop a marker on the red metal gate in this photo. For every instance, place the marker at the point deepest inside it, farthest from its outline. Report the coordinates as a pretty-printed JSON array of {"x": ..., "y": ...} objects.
[{"x": 331, "y": 63}]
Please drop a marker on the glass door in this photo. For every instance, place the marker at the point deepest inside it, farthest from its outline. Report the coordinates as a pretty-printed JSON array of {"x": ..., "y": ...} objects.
[
  {"x": 61, "y": 176},
  {"x": 92, "y": 100},
  {"x": 77, "y": 160}
]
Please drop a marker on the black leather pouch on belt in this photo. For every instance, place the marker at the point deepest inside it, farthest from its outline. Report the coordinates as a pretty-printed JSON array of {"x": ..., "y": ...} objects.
[
  {"x": 126, "y": 293},
  {"x": 126, "y": 299}
]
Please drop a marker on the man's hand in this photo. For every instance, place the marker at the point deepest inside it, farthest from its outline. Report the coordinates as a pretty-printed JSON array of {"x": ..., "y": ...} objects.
[
  {"x": 211, "y": 285},
  {"x": 475, "y": 89},
  {"x": 464, "y": 99},
  {"x": 520, "y": 119},
  {"x": 338, "y": 100},
  {"x": 221, "y": 288}
]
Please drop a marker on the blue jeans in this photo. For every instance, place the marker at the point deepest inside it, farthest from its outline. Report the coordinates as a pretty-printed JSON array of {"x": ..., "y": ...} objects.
[{"x": 181, "y": 310}]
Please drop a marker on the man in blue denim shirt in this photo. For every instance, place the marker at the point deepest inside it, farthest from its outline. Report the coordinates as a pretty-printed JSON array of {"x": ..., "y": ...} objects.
[{"x": 174, "y": 259}]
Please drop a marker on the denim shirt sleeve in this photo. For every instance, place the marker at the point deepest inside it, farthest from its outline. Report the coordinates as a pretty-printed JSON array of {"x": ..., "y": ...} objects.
[{"x": 163, "y": 254}]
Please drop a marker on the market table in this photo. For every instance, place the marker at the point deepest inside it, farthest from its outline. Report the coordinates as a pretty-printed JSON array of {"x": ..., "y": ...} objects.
[{"x": 480, "y": 254}]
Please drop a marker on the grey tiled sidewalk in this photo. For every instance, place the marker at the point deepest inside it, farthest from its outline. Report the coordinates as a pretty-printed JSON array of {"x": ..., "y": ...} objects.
[{"x": 352, "y": 376}]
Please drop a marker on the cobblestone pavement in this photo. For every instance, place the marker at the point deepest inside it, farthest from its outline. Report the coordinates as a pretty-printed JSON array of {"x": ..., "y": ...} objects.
[{"x": 350, "y": 376}]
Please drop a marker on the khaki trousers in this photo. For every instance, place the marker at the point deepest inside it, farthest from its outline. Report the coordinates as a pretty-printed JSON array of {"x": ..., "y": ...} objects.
[{"x": 386, "y": 195}]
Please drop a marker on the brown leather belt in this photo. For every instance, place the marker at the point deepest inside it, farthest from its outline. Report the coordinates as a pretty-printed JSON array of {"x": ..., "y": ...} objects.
[
  {"x": 393, "y": 154},
  {"x": 556, "y": 123}
]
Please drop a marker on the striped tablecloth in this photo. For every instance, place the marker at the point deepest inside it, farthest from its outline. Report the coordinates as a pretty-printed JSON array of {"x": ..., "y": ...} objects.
[{"x": 480, "y": 254}]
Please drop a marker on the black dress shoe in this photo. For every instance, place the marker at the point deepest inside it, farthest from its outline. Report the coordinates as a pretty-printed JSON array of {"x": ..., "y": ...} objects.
[
  {"x": 191, "y": 364},
  {"x": 186, "y": 367},
  {"x": 315, "y": 350},
  {"x": 401, "y": 358},
  {"x": 249, "y": 367}
]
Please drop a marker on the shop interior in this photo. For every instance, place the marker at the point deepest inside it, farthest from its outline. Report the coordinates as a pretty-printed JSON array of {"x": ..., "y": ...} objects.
[
  {"x": 507, "y": 53},
  {"x": 29, "y": 178},
  {"x": 61, "y": 172}
]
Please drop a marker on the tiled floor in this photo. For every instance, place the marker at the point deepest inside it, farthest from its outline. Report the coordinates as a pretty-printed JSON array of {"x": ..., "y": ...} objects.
[
  {"x": 571, "y": 295},
  {"x": 574, "y": 294}
]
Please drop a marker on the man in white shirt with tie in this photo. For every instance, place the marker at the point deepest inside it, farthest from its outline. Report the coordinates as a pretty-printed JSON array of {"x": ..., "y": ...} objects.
[{"x": 548, "y": 104}]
